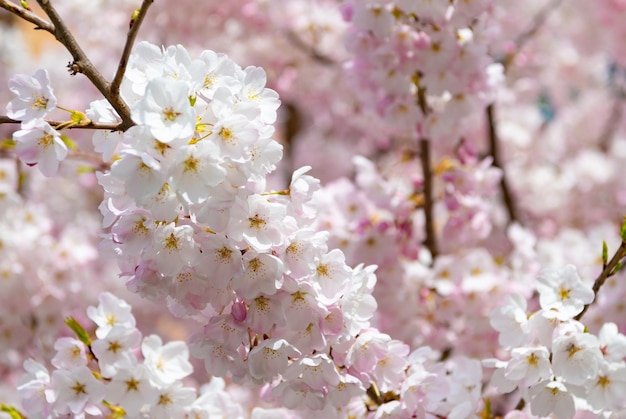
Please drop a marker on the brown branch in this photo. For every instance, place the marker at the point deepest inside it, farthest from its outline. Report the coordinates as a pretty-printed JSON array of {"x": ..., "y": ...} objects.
[
  {"x": 606, "y": 273},
  {"x": 92, "y": 158},
  {"x": 135, "y": 24},
  {"x": 90, "y": 125},
  {"x": 612, "y": 123},
  {"x": 431, "y": 239},
  {"x": 538, "y": 21},
  {"x": 309, "y": 50},
  {"x": 494, "y": 151},
  {"x": 28, "y": 16},
  {"x": 83, "y": 65}
]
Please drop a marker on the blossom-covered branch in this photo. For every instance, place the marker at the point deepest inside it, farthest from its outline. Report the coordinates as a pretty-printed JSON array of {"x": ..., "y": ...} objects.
[
  {"x": 135, "y": 24},
  {"x": 82, "y": 64},
  {"x": 609, "y": 269},
  {"x": 64, "y": 124}
]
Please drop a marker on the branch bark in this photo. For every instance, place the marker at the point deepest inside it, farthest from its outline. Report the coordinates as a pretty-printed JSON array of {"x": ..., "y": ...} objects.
[
  {"x": 28, "y": 16},
  {"x": 309, "y": 50},
  {"x": 494, "y": 151},
  {"x": 135, "y": 24},
  {"x": 83, "y": 65},
  {"x": 538, "y": 21},
  {"x": 606, "y": 273},
  {"x": 612, "y": 123},
  {"x": 431, "y": 238},
  {"x": 91, "y": 125}
]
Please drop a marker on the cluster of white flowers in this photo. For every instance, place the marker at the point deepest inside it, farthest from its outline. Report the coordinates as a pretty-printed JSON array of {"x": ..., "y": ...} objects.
[
  {"x": 554, "y": 361},
  {"x": 106, "y": 374},
  {"x": 192, "y": 225},
  {"x": 37, "y": 142}
]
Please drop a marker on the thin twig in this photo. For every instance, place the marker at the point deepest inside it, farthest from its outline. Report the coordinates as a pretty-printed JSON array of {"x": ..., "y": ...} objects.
[
  {"x": 91, "y": 158},
  {"x": 606, "y": 273},
  {"x": 494, "y": 151},
  {"x": 309, "y": 50},
  {"x": 90, "y": 125},
  {"x": 83, "y": 65},
  {"x": 538, "y": 21},
  {"x": 431, "y": 239},
  {"x": 130, "y": 40},
  {"x": 612, "y": 123},
  {"x": 28, "y": 16}
]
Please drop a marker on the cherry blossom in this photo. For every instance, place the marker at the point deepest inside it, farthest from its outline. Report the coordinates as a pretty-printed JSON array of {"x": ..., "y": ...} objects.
[{"x": 35, "y": 98}]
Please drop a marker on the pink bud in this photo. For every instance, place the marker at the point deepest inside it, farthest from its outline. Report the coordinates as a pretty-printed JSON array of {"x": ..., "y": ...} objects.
[{"x": 239, "y": 311}]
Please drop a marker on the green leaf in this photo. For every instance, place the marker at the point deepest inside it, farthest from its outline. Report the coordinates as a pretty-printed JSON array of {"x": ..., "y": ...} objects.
[
  {"x": 24, "y": 4},
  {"x": 7, "y": 143},
  {"x": 116, "y": 411},
  {"x": 80, "y": 331},
  {"x": 605, "y": 253},
  {"x": 623, "y": 230},
  {"x": 13, "y": 412}
]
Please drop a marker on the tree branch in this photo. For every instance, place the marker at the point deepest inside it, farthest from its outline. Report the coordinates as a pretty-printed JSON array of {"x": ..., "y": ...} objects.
[
  {"x": 28, "y": 16},
  {"x": 538, "y": 21},
  {"x": 612, "y": 123},
  {"x": 607, "y": 272},
  {"x": 494, "y": 151},
  {"x": 90, "y": 125},
  {"x": 309, "y": 50},
  {"x": 83, "y": 65},
  {"x": 135, "y": 24},
  {"x": 431, "y": 239}
]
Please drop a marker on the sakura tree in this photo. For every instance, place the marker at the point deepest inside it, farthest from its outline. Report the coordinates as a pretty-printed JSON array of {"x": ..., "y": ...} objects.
[{"x": 466, "y": 263}]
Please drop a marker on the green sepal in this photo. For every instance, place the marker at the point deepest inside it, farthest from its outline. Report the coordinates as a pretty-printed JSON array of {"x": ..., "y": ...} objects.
[
  {"x": 486, "y": 413},
  {"x": 79, "y": 118},
  {"x": 24, "y": 5},
  {"x": 616, "y": 269},
  {"x": 11, "y": 411},
  {"x": 71, "y": 145},
  {"x": 21, "y": 180},
  {"x": 605, "y": 254},
  {"x": 7, "y": 143},
  {"x": 85, "y": 169},
  {"x": 116, "y": 411},
  {"x": 79, "y": 330}
]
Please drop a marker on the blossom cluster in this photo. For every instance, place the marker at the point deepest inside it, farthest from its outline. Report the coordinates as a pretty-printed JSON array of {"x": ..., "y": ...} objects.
[
  {"x": 422, "y": 63},
  {"x": 266, "y": 272},
  {"x": 118, "y": 372},
  {"x": 192, "y": 225},
  {"x": 37, "y": 143},
  {"x": 555, "y": 362},
  {"x": 48, "y": 246}
]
